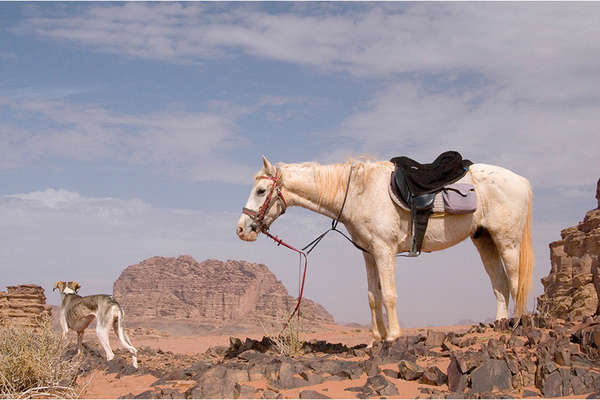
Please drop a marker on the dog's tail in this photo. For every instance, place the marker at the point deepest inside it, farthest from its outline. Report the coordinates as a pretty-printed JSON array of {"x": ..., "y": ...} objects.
[{"x": 120, "y": 332}]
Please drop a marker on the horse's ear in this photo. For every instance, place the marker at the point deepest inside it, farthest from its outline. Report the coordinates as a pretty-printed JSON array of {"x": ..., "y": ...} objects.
[{"x": 268, "y": 167}]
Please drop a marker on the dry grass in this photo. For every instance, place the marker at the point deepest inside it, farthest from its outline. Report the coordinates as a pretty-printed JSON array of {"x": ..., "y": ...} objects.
[
  {"x": 33, "y": 363},
  {"x": 287, "y": 337}
]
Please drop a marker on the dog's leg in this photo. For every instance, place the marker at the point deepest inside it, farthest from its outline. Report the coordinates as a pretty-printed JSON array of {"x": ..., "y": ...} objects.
[
  {"x": 122, "y": 335},
  {"x": 63, "y": 324},
  {"x": 102, "y": 333},
  {"x": 79, "y": 342}
]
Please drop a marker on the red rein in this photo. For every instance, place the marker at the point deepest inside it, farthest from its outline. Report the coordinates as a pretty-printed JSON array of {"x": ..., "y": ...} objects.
[{"x": 259, "y": 216}]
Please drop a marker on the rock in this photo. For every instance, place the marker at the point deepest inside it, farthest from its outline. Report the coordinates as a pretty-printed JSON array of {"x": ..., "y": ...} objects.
[
  {"x": 269, "y": 394},
  {"x": 311, "y": 378},
  {"x": 244, "y": 391},
  {"x": 434, "y": 338},
  {"x": 312, "y": 394},
  {"x": 572, "y": 286},
  {"x": 286, "y": 377},
  {"x": 403, "y": 348},
  {"x": 492, "y": 375},
  {"x": 433, "y": 376},
  {"x": 552, "y": 385},
  {"x": 211, "y": 292},
  {"x": 469, "y": 360},
  {"x": 409, "y": 370},
  {"x": 495, "y": 349},
  {"x": 457, "y": 381},
  {"x": 371, "y": 366},
  {"x": 23, "y": 305},
  {"x": 382, "y": 386},
  {"x": 530, "y": 393}
]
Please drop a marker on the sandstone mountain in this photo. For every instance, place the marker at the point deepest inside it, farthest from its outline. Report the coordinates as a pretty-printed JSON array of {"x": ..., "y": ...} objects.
[
  {"x": 210, "y": 293},
  {"x": 23, "y": 305},
  {"x": 572, "y": 288}
]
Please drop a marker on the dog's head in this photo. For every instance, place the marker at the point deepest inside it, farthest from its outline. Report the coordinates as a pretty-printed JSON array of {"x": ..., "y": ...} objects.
[{"x": 71, "y": 287}]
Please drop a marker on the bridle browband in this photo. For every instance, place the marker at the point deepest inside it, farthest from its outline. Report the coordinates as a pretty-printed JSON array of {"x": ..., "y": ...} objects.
[{"x": 258, "y": 217}]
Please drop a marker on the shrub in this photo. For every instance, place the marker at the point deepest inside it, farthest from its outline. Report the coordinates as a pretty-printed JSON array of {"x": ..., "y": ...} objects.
[
  {"x": 33, "y": 363},
  {"x": 287, "y": 337}
]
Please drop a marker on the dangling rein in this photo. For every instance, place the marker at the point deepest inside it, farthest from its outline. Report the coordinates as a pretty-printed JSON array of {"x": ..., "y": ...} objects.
[{"x": 258, "y": 217}]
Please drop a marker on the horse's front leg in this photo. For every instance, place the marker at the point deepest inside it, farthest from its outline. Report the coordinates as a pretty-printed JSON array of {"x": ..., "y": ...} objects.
[
  {"x": 386, "y": 267},
  {"x": 375, "y": 301}
]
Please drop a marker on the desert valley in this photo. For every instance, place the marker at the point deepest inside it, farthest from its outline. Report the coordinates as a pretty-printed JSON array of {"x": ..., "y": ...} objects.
[{"x": 210, "y": 330}]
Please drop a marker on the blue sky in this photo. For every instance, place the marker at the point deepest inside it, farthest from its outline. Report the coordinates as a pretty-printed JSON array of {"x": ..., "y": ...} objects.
[{"x": 129, "y": 130}]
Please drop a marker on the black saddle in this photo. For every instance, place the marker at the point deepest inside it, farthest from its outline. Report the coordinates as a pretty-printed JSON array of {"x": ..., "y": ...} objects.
[{"x": 417, "y": 184}]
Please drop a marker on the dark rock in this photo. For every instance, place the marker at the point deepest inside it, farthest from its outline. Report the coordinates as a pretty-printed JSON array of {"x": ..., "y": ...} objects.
[
  {"x": 457, "y": 381},
  {"x": 501, "y": 325},
  {"x": 409, "y": 371},
  {"x": 253, "y": 355},
  {"x": 286, "y": 378},
  {"x": 434, "y": 338},
  {"x": 312, "y": 394},
  {"x": 382, "y": 386},
  {"x": 495, "y": 349},
  {"x": 577, "y": 386},
  {"x": 530, "y": 393},
  {"x": 390, "y": 373},
  {"x": 492, "y": 375},
  {"x": 321, "y": 346},
  {"x": 311, "y": 378},
  {"x": 534, "y": 336},
  {"x": 433, "y": 376},
  {"x": 562, "y": 356},
  {"x": 552, "y": 385},
  {"x": 244, "y": 392},
  {"x": 371, "y": 366},
  {"x": 403, "y": 348},
  {"x": 469, "y": 360}
]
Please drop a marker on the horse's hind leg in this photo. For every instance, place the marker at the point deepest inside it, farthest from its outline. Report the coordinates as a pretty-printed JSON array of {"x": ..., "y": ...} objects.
[
  {"x": 375, "y": 302},
  {"x": 495, "y": 270}
]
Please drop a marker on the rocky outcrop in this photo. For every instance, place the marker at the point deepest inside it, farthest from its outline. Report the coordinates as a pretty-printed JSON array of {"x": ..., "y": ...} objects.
[
  {"x": 23, "y": 305},
  {"x": 572, "y": 287},
  {"x": 212, "y": 292}
]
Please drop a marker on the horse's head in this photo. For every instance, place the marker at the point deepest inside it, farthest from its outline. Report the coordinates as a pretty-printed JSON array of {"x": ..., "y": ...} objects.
[{"x": 265, "y": 204}]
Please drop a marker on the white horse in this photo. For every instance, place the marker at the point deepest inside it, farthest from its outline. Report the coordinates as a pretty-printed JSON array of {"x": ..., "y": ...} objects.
[{"x": 500, "y": 227}]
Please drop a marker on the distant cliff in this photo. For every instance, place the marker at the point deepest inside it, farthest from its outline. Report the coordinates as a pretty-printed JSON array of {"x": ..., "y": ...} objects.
[
  {"x": 572, "y": 288},
  {"x": 211, "y": 292}
]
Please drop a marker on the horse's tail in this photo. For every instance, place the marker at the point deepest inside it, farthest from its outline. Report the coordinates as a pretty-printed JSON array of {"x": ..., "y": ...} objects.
[{"x": 526, "y": 263}]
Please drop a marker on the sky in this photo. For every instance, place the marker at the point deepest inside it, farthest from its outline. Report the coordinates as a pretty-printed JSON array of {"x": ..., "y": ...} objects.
[{"x": 131, "y": 130}]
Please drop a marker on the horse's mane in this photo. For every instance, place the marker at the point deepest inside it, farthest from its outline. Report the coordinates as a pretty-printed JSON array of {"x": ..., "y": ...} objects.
[{"x": 333, "y": 178}]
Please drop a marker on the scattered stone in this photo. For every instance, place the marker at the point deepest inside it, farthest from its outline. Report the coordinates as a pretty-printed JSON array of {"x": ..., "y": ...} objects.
[
  {"x": 409, "y": 371},
  {"x": 382, "y": 386},
  {"x": 492, "y": 375},
  {"x": 312, "y": 394},
  {"x": 434, "y": 338},
  {"x": 457, "y": 381},
  {"x": 433, "y": 376}
]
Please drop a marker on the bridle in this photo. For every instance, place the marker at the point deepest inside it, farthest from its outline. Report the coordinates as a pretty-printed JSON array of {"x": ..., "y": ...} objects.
[{"x": 258, "y": 217}]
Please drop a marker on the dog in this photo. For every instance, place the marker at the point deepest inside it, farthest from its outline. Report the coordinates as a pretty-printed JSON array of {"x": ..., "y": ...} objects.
[{"x": 78, "y": 312}]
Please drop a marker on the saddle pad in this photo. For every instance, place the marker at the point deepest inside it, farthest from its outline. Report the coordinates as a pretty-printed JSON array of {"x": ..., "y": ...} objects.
[{"x": 456, "y": 198}]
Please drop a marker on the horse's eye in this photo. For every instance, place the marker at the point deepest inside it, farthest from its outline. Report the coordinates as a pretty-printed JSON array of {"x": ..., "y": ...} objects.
[{"x": 260, "y": 192}]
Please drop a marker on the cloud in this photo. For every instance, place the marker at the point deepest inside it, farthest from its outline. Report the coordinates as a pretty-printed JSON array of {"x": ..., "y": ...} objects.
[
  {"x": 551, "y": 145},
  {"x": 191, "y": 145}
]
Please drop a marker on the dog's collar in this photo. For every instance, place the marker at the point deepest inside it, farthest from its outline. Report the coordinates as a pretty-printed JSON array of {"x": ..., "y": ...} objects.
[{"x": 68, "y": 290}]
